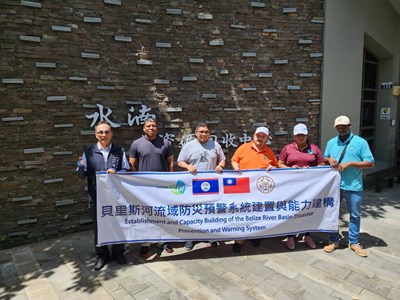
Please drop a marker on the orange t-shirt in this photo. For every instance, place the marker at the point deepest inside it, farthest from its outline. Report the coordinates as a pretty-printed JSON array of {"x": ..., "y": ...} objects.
[{"x": 248, "y": 157}]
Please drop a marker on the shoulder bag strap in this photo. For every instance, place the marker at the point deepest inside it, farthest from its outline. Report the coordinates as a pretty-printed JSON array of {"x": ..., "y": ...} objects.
[{"x": 344, "y": 151}]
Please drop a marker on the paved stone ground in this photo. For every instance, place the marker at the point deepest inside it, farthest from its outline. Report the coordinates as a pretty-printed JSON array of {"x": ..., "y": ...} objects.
[{"x": 63, "y": 268}]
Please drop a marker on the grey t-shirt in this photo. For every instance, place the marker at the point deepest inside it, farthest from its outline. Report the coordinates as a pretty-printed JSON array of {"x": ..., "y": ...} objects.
[
  {"x": 204, "y": 156},
  {"x": 151, "y": 155}
]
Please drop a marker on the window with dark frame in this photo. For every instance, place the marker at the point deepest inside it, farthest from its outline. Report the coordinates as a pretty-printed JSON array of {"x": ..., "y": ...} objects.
[{"x": 369, "y": 98}]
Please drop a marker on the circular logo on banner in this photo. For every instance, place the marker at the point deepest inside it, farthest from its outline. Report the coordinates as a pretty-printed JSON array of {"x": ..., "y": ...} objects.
[
  {"x": 265, "y": 184},
  {"x": 205, "y": 186},
  {"x": 179, "y": 188}
]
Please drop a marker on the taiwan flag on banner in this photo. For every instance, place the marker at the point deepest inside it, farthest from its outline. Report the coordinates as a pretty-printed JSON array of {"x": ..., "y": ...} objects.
[
  {"x": 236, "y": 185},
  {"x": 205, "y": 186}
]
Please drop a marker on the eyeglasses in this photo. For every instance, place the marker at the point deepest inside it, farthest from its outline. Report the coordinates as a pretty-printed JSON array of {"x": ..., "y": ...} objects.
[
  {"x": 203, "y": 132},
  {"x": 103, "y": 132}
]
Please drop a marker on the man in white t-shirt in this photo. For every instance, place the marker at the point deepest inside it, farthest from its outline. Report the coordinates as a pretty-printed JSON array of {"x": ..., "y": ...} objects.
[{"x": 201, "y": 154}]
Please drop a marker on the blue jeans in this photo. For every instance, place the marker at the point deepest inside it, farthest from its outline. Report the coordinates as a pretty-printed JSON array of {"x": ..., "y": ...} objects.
[{"x": 353, "y": 201}]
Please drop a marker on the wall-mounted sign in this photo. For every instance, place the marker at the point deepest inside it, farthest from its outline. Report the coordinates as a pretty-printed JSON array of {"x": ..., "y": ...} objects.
[
  {"x": 396, "y": 90},
  {"x": 386, "y": 85},
  {"x": 385, "y": 113}
]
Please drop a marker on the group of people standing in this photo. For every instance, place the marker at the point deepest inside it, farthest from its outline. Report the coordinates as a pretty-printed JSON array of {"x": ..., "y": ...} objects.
[{"x": 347, "y": 153}]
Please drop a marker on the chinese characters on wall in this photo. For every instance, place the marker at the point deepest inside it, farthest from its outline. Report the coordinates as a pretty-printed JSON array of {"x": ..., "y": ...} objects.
[{"x": 103, "y": 114}]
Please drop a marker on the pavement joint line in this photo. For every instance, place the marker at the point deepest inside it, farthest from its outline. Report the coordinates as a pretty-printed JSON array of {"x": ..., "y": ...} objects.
[
  {"x": 171, "y": 277},
  {"x": 317, "y": 275}
]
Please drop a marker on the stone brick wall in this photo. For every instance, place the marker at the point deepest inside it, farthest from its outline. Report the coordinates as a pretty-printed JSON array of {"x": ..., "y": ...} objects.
[{"x": 66, "y": 64}]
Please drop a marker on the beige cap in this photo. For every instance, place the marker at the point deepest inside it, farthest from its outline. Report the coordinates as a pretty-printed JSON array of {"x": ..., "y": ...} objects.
[{"x": 342, "y": 120}]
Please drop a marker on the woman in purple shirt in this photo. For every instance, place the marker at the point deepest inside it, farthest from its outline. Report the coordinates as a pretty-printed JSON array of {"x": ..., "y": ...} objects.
[{"x": 300, "y": 154}]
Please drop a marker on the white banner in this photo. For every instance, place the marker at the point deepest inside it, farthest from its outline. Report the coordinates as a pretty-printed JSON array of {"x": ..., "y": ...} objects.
[{"x": 151, "y": 207}]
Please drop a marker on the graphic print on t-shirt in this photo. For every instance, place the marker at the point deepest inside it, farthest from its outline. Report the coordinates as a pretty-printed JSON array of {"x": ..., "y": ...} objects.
[{"x": 204, "y": 157}]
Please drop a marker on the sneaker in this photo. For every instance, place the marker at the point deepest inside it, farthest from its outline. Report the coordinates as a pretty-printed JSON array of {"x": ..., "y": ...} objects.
[
  {"x": 331, "y": 247},
  {"x": 290, "y": 243},
  {"x": 144, "y": 251},
  {"x": 189, "y": 245},
  {"x": 357, "y": 248},
  {"x": 100, "y": 262},
  {"x": 309, "y": 242},
  {"x": 167, "y": 248},
  {"x": 212, "y": 244},
  {"x": 236, "y": 248}
]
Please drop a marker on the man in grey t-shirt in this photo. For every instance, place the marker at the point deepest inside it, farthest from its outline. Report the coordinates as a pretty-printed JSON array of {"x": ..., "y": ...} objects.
[
  {"x": 151, "y": 153},
  {"x": 201, "y": 154}
]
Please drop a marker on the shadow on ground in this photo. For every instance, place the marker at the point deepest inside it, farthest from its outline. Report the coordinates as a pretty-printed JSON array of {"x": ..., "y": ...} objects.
[{"x": 58, "y": 258}]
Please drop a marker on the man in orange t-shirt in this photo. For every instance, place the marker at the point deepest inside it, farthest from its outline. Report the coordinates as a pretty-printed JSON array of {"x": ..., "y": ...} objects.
[{"x": 254, "y": 155}]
